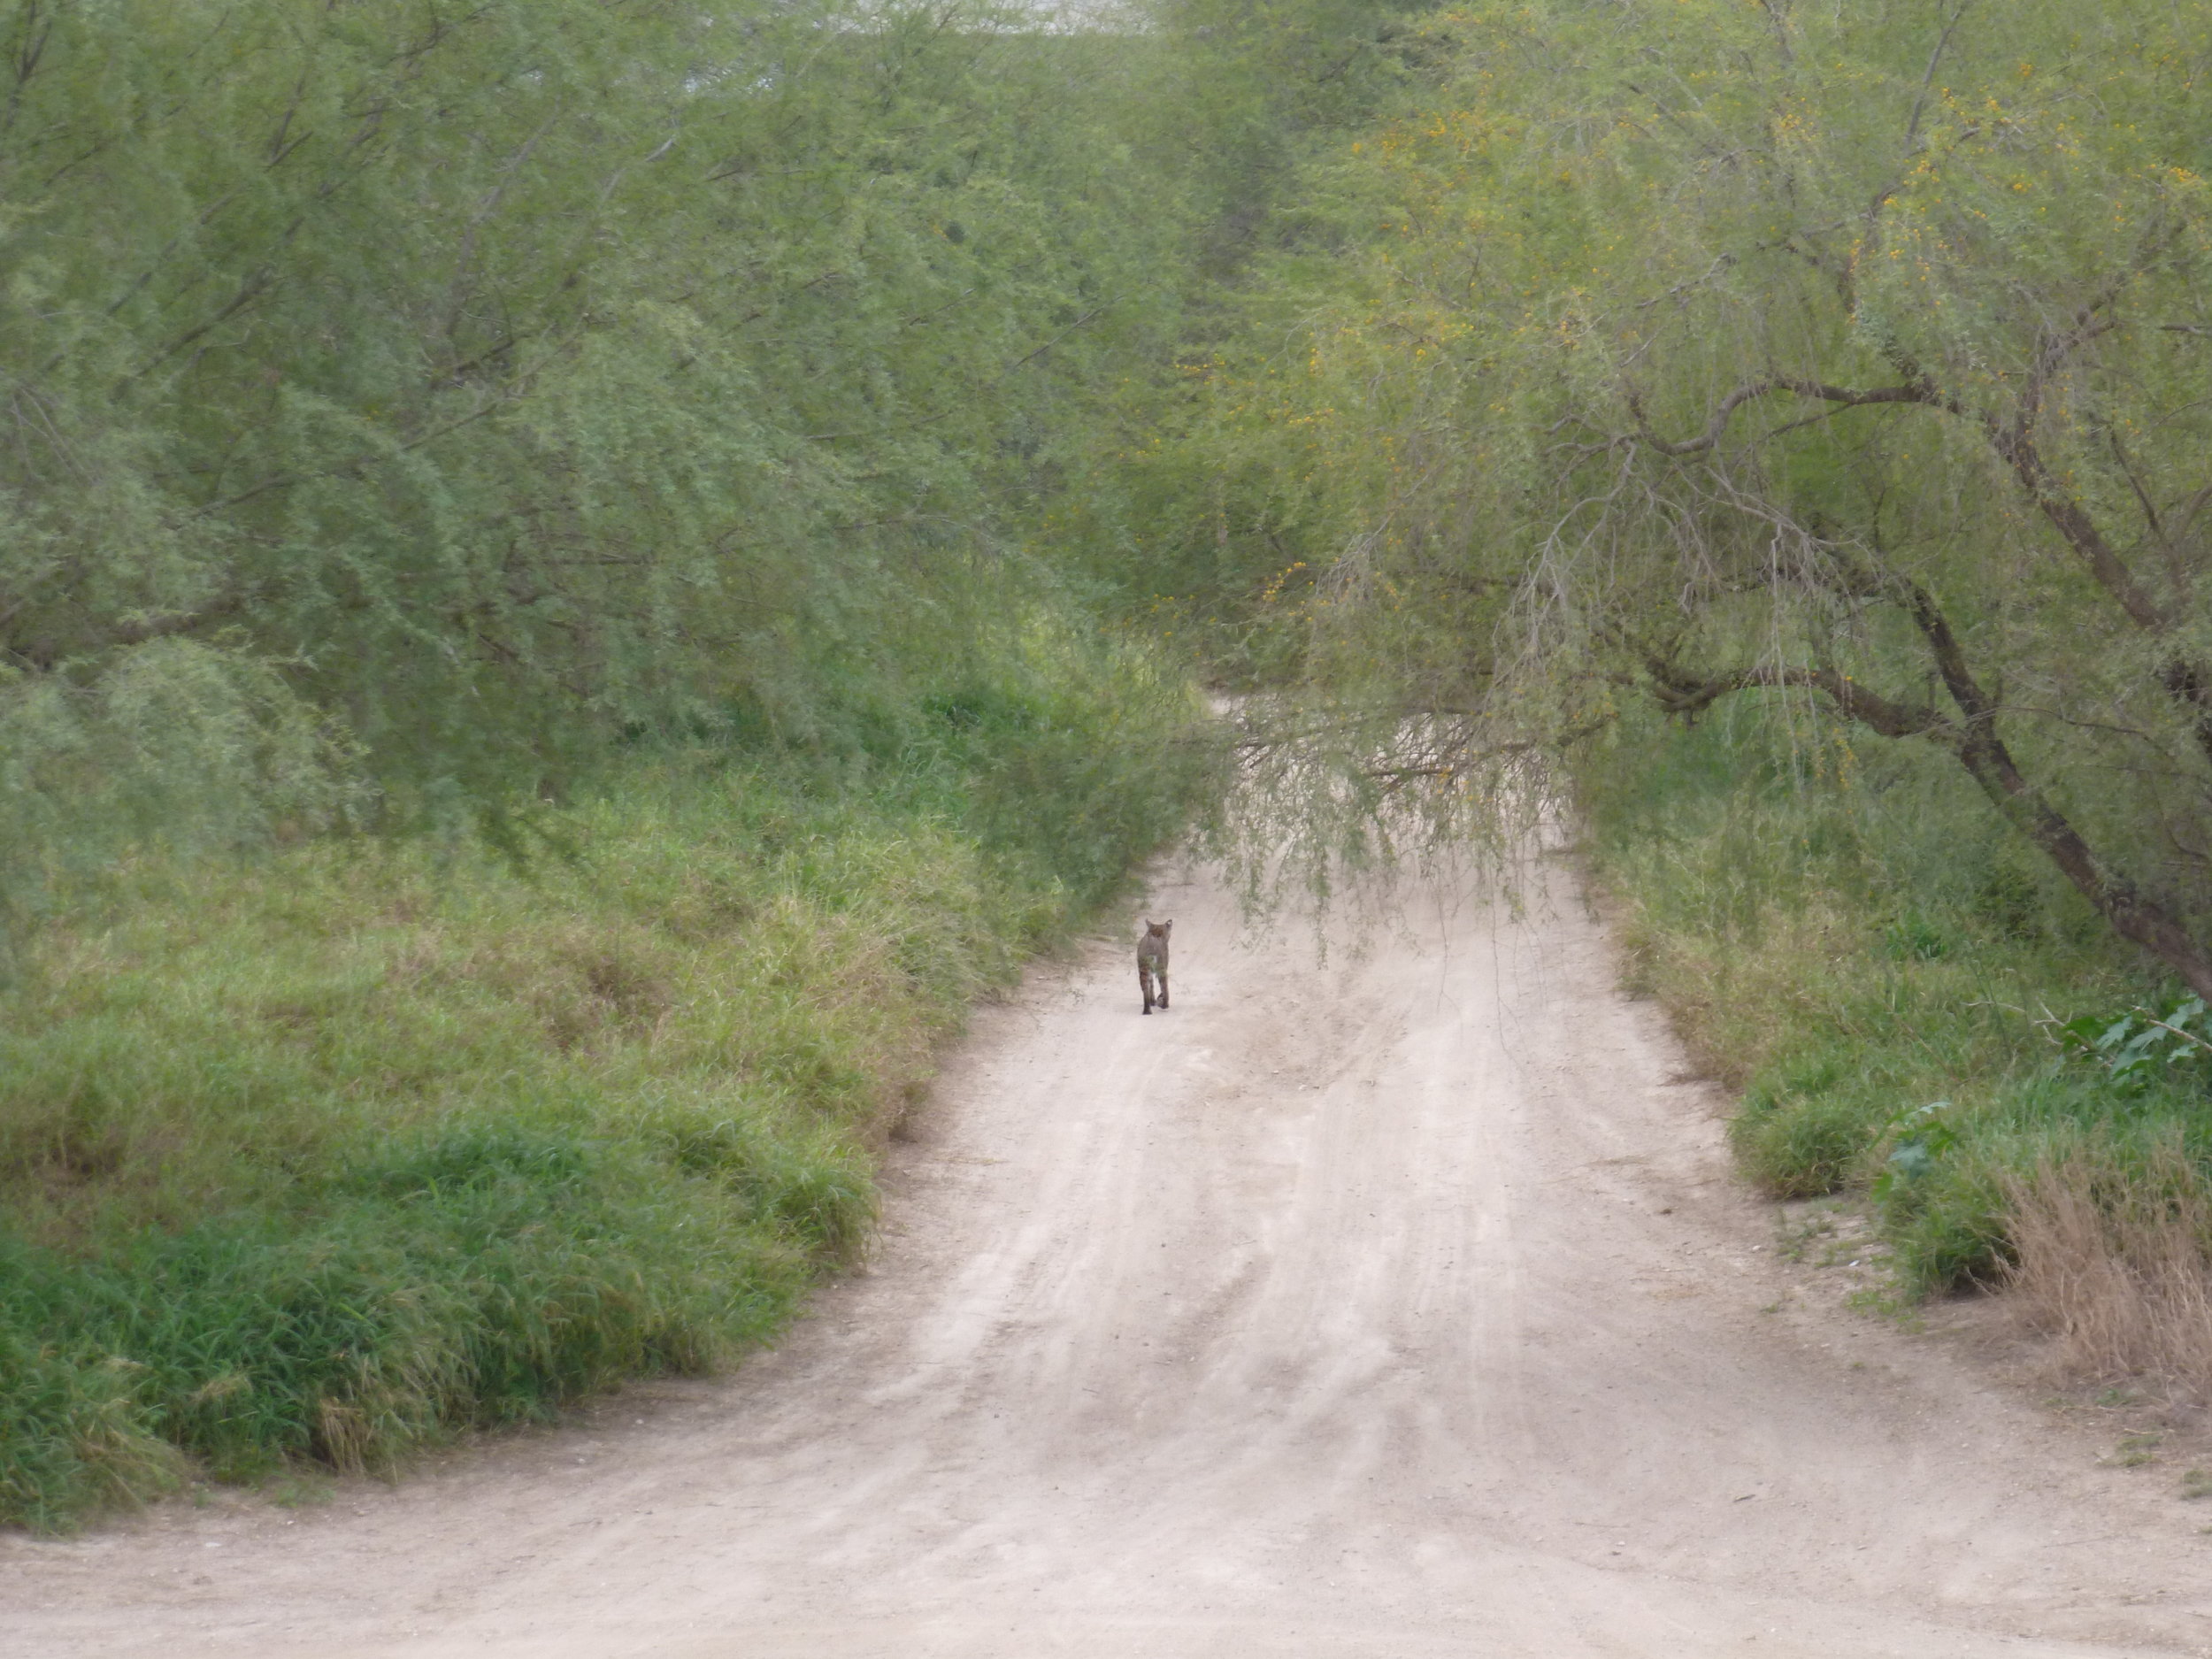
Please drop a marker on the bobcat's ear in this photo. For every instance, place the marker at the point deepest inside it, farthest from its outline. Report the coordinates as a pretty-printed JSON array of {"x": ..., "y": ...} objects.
[{"x": 1167, "y": 924}]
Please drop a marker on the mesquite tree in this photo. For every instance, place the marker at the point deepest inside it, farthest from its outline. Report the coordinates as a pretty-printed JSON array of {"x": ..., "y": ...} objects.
[
  {"x": 406, "y": 399},
  {"x": 1859, "y": 358}
]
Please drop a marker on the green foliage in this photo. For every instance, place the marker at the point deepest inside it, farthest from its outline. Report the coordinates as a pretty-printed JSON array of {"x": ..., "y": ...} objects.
[
  {"x": 2136, "y": 1049},
  {"x": 1769, "y": 881},
  {"x": 1923, "y": 1138},
  {"x": 76, "y": 1441},
  {"x": 411, "y": 400},
  {"x": 1689, "y": 352},
  {"x": 1800, "y": 1136},
  {"x": 540, "y": 1269},
  {"x": 1829, "y": 381},
  {"x": 321, "y": 1155},
  {"x": 643, "y": 462}
]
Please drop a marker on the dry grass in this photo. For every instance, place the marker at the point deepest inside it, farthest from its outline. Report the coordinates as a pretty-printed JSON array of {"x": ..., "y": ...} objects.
[{"x": 2114, "y": 1263}]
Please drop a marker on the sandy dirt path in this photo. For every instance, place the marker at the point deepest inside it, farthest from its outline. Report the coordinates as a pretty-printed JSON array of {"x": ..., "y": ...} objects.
[{"x": 1400, "y": 1308}]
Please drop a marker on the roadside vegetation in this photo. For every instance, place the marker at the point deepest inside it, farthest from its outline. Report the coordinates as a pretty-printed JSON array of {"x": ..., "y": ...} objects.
[
  {"x": 537, "y": 681},
  {"x": 1916, "y": 1009},
  {"x": 311, "y": 1158}
]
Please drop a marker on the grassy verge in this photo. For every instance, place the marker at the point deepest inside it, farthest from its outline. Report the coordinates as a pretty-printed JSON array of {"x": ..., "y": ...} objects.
[
  {"x": 323, "y": 1157},
  {"x": 1846, "y": 933}
]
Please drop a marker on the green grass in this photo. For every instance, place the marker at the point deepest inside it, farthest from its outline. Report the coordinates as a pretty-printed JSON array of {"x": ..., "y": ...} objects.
[
  {"x": 1846, "y": 933},
  {"x": 312, "y": 1160}
]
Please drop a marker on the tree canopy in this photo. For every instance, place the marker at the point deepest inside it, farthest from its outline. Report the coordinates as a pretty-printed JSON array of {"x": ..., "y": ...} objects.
[
  {"x": 410, "y": 398},
  {"x": 1856, "y": 359}
]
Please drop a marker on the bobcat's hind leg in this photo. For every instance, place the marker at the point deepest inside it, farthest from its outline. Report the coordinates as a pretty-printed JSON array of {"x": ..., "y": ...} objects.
[
  {"x": 1162, "y": 989},
  {"x": 1144, "y": 984}
]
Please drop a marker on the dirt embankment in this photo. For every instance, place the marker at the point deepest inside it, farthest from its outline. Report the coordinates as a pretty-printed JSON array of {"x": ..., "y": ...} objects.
[{"x": 1401, "y": 1308}]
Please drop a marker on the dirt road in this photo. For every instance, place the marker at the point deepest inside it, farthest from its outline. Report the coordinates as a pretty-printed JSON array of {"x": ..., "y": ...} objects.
[{"x": 1400, "y": 1309}]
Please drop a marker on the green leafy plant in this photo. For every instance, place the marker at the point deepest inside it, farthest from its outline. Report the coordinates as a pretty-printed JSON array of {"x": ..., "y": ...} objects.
[
  {"x": 2142, "y": 1046},
  {"x": 1924, "y": 1137}
]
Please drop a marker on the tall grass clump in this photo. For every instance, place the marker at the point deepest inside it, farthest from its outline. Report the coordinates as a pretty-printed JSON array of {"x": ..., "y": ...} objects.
[
  {"x": 1846, "y": 932},
  {"x": 320, "y": 1157},
  {"x": 2110, "y": 1259}
]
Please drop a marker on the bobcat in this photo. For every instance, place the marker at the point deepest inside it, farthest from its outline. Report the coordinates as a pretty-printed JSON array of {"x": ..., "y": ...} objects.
[{"x": 1151, "y": 959}]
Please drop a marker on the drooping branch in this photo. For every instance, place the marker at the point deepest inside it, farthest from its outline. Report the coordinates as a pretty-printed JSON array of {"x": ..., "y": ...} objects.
[
  {"x": 1972, "y": 737},
  {"x": 2185, "y": 679},
  {"x": 1686, "y": 695}
]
